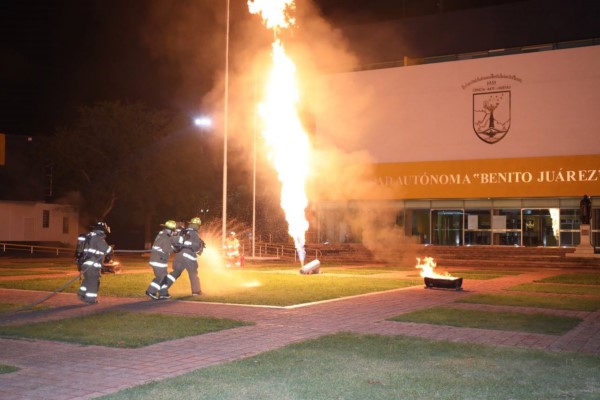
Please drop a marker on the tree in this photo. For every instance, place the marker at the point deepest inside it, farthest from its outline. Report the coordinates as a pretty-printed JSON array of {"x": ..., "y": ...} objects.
[{"x": 131, "y": 163}]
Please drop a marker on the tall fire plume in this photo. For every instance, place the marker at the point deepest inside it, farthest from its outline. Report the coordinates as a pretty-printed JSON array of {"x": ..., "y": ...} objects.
[{"x": 288, "y": 143}]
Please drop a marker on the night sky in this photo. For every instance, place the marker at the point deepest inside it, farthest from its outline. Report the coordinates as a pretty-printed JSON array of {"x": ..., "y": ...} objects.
[{"x": 57, "y": 55}]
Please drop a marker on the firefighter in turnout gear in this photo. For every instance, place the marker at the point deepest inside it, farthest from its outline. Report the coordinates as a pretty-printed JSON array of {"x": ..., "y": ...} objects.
[
  {"x": 95, "y": 252},
  {"x": 163, "y": 246},
  {"x": 188, "y": 246},
  {"x": 232, "y": 250}
]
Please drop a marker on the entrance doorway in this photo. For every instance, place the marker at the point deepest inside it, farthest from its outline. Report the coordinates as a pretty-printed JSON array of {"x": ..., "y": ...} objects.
[
  {"x": 540, "y": 227},
  {"x": 447, "y": 227}
]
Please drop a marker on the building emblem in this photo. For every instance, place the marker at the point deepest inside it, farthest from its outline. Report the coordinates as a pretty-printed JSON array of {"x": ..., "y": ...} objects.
[{"x": 491, "y": 115}]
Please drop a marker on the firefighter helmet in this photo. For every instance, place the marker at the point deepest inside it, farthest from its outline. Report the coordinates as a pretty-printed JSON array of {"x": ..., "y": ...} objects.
[
  {"x": 195, "y": 221},
  {"x": 170, "y": 224},
  {"x": 101, "y": 226},
  {"x": 232, "y": 233}
]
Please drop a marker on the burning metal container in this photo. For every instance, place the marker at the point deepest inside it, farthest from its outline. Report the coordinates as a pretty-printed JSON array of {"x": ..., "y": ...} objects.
[
  {"x": 454, "y": 283},
  {"x": 435, "y": 280}
]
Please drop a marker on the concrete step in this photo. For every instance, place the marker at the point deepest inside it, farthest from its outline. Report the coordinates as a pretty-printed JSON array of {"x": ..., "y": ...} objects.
[{"x": 500, "y": 256}]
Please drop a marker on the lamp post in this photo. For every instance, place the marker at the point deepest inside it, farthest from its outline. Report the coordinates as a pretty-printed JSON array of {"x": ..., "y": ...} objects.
[{"x": 225, "y": 127}]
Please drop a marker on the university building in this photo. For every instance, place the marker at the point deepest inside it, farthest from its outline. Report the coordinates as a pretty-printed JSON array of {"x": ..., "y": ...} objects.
[{"x": 494, "y": 148}]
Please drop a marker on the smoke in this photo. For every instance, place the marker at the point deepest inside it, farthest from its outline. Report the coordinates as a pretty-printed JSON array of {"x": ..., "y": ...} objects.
[
  {"x": 215, "y": 278},
  {"x": 190, "y": 35}
]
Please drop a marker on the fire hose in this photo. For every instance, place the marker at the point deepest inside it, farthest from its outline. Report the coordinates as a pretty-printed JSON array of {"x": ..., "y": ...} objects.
[
  {"x": 66, "y": 285},
  {"x": 51, "y": 294}
]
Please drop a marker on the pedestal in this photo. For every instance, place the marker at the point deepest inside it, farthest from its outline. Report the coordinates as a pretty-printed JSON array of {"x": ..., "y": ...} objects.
[{"x": 585, "y": 249}]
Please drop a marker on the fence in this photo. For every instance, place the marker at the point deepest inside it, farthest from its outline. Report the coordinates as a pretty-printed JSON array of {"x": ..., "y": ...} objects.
[
  {"x": 262, "y": 250},
  {"x": 35, "y": 249},
  {"x": 280, "y": 251}
]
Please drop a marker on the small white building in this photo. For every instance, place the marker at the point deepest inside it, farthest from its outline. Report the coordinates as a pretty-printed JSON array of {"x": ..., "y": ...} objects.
[{"x": 28, "y": 221}]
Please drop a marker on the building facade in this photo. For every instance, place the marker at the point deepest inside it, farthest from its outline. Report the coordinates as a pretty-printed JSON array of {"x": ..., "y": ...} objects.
[
  {"x": 493, "y": 150},
  {"x": 23, "y": 221}
]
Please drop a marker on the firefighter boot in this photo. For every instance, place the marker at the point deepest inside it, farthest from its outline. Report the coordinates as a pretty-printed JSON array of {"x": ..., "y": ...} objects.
[
  {"x": 164, "y": 287},
  {"x": 152, "y": 295}
]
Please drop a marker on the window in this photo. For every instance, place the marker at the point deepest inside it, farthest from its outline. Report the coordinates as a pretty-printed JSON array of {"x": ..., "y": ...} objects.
[
  {"x": 506, "y": 226},
  {"x": 477, "y": 227},
  {"x": 65, "y": 224},
  {"x": 45, "y": 218}
]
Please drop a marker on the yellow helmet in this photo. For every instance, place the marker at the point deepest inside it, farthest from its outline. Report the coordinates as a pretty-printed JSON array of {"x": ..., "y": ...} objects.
[
  {"x": 195, "y": 221},
  {"x": 170, "y": 224}
]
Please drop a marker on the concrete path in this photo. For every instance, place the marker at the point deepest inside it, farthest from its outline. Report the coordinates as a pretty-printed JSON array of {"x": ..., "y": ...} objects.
[{"x": 52, "y": 370}]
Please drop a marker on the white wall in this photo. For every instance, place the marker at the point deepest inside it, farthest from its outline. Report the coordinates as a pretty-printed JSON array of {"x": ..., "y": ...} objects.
[
  {"x": 22, "y": 221},
  {"x": 426, "y": 112}
]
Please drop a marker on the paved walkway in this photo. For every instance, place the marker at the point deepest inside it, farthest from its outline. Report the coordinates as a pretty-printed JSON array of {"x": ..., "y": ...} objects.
[{"x": 52, "y": 370}]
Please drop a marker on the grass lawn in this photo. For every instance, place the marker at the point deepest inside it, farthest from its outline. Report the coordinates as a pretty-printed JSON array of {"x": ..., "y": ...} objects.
[
  {"x": 119, "y": 328},
  {"x": 557, "y": 288},
  {"x": 235, "y": 286},
  {"x": 10, "y": 307},
  {"x": 478, "y": 274},
  {"x": 483, "y": 274},
  {"x": 5, "y": 369},
  {"x": 35, "y": 263},
  {"x": 579, "y": 278},
  {"x": 525, "y": 300},
  {"x": 22, "y": 272},
  {"x": 505, "y": 321},
  {"x": 372, "y": 270},
  {"x": 348, "y": 366}
]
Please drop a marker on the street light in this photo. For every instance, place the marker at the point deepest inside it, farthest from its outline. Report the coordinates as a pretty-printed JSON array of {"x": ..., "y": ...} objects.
[
  {"x": 203, "y": 122},
  {"x": 225, "y": 127}
]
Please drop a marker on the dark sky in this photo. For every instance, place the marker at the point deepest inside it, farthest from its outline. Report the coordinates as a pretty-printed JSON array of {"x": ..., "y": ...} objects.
[{"x": 56, "y": 55}]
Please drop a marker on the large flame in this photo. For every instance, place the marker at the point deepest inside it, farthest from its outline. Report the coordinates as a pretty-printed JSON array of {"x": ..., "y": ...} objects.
[
  {"x": 427, "y": 267},
  {"x": 282, "y": 130}
]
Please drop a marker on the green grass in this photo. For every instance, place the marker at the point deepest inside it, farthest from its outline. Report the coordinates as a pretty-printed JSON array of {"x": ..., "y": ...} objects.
[
  {"x": 357, "y": 271},
  {"x": 11, "y": 307},
  {"x": 35, "y": 263},
  {"x": 504, "y": 321},
  {"x": 525, "y": 300},
  {"x": 119, "y": 328},
  {"x": 6, "y": 369},
  {"x": 483, "y": 274},
  {"x": 23, "y": 272},
  {"x": 582, "y": 278},
  {"x": 557, "y": 288},
  {"x": 235, "y": 286},
  {"x": 248, "y": 287},
  {"x": 477, "y": 274},
  {"x": 348, "y": 366}
]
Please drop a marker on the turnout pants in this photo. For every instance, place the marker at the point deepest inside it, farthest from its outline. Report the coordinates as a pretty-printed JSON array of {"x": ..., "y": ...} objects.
[
  {"x": 179, "y": 265},
  {"x": 88, "y": 291},
  {"x": 157, "y": 285}
]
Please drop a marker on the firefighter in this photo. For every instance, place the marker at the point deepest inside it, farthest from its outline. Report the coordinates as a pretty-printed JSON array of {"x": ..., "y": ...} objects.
[
  {"x": 232, "y": 250},
  {"x": 96, "y": 251},
  {"x": 188, "y": 246},
  {"x": 163, "y": 246}
]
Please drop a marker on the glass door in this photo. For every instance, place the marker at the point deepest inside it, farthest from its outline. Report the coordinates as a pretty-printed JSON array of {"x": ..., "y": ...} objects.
[
  {"x": 447, "y": 227},
  {"x": 478, "y": 224},
  {"x": 541, "y": 227},
  {"x": 417, "y": 225}
]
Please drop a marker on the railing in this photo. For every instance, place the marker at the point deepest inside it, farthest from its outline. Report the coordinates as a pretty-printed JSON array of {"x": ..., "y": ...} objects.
[
  {"x": 31, "y": 249},
  {"x": 283, "y": 251}
]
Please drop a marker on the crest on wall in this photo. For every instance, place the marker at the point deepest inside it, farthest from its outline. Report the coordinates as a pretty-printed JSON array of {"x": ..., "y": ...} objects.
[{"x": 491, "y": 115}]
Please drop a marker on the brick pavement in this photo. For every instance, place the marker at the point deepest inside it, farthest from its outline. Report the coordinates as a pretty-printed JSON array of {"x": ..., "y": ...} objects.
[{"x": 52, "y": 370}]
